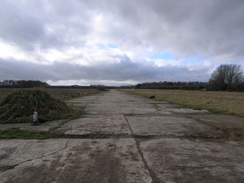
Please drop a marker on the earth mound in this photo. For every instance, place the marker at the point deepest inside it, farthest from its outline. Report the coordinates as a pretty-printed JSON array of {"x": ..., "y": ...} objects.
[{"x": 18, "y": 107}]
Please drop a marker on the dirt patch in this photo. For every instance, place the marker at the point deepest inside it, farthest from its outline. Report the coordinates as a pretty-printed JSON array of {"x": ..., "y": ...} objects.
[{"x": 225, "y": 126}]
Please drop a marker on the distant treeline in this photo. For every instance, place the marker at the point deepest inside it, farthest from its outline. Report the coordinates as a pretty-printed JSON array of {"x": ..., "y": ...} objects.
[
  {"x": 23, "y": 84},
  {"x": 239, "y": 87},
  {"x": 99, "y": 87},
  {"x": 211, "y": 86},
  {"x": 191, "y": 86},
  {"x": 174, "y": 85}
]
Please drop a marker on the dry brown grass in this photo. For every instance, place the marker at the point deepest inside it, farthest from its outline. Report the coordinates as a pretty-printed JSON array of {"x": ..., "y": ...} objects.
[
  {"x": 58, "y": 93},
  {"x": 217, "y": 102},
  {"x": 68, "y": 93}
]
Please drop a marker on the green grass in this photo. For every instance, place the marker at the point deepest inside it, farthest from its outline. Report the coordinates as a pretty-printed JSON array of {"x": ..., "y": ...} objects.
[
  {"x": 23, "y": 134},
  {"x": 4, "y": 92}
]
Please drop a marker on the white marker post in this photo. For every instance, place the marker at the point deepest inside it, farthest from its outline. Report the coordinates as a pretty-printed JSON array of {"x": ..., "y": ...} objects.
[{"x": 35, "y": 117}]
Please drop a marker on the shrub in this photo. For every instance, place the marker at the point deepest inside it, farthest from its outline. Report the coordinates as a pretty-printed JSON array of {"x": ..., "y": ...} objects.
[{"x": 18, "y": 107}]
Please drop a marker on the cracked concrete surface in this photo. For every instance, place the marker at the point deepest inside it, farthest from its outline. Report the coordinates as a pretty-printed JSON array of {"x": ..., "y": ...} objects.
[
  {"x": 135, "y": 140},
  {"x": 192, "y": 161},
  {"x": 77, "y": 160}
]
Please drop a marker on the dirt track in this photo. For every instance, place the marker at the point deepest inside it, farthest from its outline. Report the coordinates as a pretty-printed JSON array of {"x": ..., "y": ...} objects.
[{"x": 125, "y": 138}]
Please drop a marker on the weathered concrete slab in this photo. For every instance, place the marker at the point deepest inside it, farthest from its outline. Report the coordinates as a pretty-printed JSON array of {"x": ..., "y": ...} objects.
[
  {"x": 99, "y": 124},
  {"x": 182, "y": 160},
  {"x": 76, "y": 160},
  {"x": 145, "y": 125},
  {"x": 112, "y": 108},
  {"x": 145, "y": 141},
  {"x": 14, "y": 152}
]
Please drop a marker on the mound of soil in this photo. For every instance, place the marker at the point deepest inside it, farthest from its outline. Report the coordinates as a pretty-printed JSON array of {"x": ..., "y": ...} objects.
[{"x": 18, "y": 107}]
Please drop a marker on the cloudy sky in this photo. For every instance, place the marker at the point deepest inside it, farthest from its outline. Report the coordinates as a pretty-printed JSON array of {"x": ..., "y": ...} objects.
[{"x": 118, "y": 42}]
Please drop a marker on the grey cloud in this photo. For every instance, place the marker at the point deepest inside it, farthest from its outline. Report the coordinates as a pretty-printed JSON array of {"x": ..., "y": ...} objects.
[
  {"x": 125, "y": 70},
  {"x": 208, "y": 28},
  {"x": 19, "y": 25},
  {"x": 25, "y": 23}
]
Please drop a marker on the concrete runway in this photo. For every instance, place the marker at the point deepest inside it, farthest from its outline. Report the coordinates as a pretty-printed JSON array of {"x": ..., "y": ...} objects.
[{"x": 124, "y": 139}]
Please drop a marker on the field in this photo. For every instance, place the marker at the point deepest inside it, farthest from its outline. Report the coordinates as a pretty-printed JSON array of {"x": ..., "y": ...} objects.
[
  {"x": 216, "y": 102},
  {"x": 60, "y": 93}
]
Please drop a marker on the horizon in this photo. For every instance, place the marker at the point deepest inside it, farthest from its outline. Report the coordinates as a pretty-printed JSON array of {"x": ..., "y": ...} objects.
[{"x": 95, "y": 85}]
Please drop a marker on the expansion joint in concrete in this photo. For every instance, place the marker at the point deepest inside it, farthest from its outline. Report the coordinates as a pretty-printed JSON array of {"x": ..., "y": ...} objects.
[
  {"x": 151, "y": 172},
  {"x": 128, "y": 124}
]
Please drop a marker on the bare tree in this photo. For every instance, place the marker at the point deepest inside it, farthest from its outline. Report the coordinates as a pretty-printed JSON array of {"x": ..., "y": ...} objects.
[{"x": 225, "y": 77}]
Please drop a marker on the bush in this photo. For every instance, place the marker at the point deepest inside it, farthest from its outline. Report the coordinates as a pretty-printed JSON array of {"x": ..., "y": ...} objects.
[{"x": 18, "y": 107}]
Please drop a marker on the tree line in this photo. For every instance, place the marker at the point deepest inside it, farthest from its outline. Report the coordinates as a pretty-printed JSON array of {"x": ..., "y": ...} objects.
[
  {"x": 224, "y": 78},
  {"x": 23, "y": 84},
  {"x": 173, "y": 85}
]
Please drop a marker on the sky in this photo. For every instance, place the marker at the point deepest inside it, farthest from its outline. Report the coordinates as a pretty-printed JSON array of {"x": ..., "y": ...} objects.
[{"x": 118, "y": 42}]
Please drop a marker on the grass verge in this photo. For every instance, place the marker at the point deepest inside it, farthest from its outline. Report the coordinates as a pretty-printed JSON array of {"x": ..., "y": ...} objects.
[
  {"x": 217, "y": 102},
  {"x": 24, "y": 134}
]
